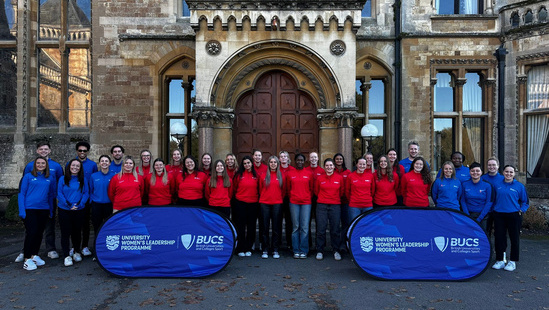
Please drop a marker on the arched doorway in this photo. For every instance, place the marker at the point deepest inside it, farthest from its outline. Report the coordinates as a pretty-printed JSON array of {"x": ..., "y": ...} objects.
[{"x": 275, "y": 116}]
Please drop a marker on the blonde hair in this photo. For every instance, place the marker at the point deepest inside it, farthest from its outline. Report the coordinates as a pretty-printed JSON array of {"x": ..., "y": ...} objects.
[
  {"x": 164, "y": 173},
  {"x": 121, "y": 173}
]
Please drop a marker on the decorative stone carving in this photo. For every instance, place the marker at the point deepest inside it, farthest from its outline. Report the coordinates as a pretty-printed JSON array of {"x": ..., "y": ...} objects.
[
  {"x": 337, "y": 48},
  {"x": 367, "y": 65},
  {"x": 213, "y": 47},
  {"x": 208, "y": 116},
  {"x": 346, "y": 117}
]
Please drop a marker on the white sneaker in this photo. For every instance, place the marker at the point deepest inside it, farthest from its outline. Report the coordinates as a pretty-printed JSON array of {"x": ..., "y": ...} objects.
[
  {"x": 498, "y": 265},
  {"x": 20, "y": 258},
  {"x": 71, "y": 252},
  {"x": 505, "y": 257},
  {"x": 511, "y": 266},
  {"x": 337, "y": 256},
  {"x": 38, "y": 261},
  {"x": 265, "y": 255},
  {"x": 241, "y": 254},
  {"x": 29, "y": 265},
  {"x": 296, "y": 255},
  {"x": 86, "y": 252},
  {"x": 319, "y": 256},
  {"x": 302, "y": 255},
  {"x": 53, "y": 254},
  {"x": 248, "y": 254},
  {"x": 77, "y": 257},
  {"x": 68, "y": 261},
  {"x": 276, "y": 255}
]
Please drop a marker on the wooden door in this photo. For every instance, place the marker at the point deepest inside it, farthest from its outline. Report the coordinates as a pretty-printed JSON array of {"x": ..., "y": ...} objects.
[{"x": 275, "y": 116}]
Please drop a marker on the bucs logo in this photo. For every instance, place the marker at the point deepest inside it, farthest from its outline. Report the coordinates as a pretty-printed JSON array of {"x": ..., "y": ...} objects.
[
  {"x": 113, "y": 242},
  {"x": 187, "y": 240}
]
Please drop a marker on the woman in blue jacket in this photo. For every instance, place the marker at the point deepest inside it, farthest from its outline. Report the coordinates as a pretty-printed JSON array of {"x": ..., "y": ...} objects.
[
  {"x": 101, "y": 205},
  {"x": 72, "y": 194},
  {"x": 510, "y": 203},
  {"x": 35, "y": 199},
  {"x": 476, "y": 198},
  {"x": 446, "y": 190}
]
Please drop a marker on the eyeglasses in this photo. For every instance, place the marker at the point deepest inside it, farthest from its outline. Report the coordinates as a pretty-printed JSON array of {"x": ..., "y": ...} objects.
[{"x": 82, "y": 151}]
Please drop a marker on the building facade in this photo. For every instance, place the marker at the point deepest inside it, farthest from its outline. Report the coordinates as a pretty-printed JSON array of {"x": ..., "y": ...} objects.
[{"x": 300, "y": 76}]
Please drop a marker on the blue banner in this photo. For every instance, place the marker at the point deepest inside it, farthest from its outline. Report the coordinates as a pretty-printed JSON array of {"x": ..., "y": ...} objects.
[
  {"x": 419, "y": 244},
  {"x": 165, "y": 241}
]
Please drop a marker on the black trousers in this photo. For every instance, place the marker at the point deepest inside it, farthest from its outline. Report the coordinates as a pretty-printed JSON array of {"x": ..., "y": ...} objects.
[
  {"x": 507, "y": 223},
  {"x": 70, "y": 222},
  {"x": 100, "y": 212},
  {"x": 244, "y": 218},
  {"x": 86, "y": 226},
  {"x": 271, "y": 214},
  {"x": 35, "y": 222}
]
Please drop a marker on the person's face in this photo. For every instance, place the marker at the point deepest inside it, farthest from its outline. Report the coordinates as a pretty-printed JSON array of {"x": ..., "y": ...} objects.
[
  {"x": 509, "y": 174},
  {"x": 418, "y": 166},
  {"x": 189, "y": 164},
  {"x": 273, "y": 164},
  {"x": 283, "y": 158},
  {"x": 206, "y": 160},
  {"x": 104, "y": 163},
  {"x": 492, "y": 167},
  {"x": 40, "y": 165},
  {"x": 392, "y": 155},
  {"x": 117, "y": 153},
  {"x": 44, "y": 151},
  {"x": 299, "y": 162},
  {"x": 457, "y": 160},
  {"x": 447, "y": 171},
  {"x": 75, "y": 167},
  {"x": 338, "y": 161},
  {"x": 82, "y": 152},
  {"x": 219, "y": 168},
  {"x": 229, "y": 161},
  {"x": 313, "y": 159},
  {"x": 369, "y": 160},
  {"x": 329, "y": 167},
  {"x": 383, "y": 162},
  {"x": 159, "y": 167},
  {"x": 475, "y": 173},
  {"x": 128, "y": 165},
  {"x": 361, "y": 165},
  {"x": 413, "y": 150},
  {"x": 257, "y": 157},
  {"x": 247, "y": 165},
  {"x": 176, "y": 156},
  {"x": 146, "y": 158}
]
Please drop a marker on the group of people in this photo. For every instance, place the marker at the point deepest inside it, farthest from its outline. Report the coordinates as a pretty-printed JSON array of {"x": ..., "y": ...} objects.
[{"x": 251, "y": 192}]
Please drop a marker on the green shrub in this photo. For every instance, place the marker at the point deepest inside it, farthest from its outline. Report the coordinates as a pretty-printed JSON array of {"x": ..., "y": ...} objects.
[
  {"x": 534, "y": 219},
  {"x": 12, "y": 211}
]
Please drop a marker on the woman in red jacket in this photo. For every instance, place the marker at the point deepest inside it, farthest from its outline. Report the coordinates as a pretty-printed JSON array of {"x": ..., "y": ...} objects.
[
  {"x": 329, "y": 188},
  {"x": 219, "y": 189},
  {"x": 231, "y": 165},
  {"x": 360, "y": 189},
  {"x": 246, "y": 206},
  {"x": 299, "y": 185},
  {"x": 126, "y": 189},
  {"x": 416, "y": 184},
  {"x": 145, "y": 168},
  {"x": 206, "y": 164},
  {"x": 177, "y": 164},
  {"x": 271, "y": 194},
  {"x": 386, "y": 183},
  {"x": 399, "y": 169},
  {"x": 159, "y": 185},
  {"x": 341, "y": 169},
  {"x": 190, "y": 184}
]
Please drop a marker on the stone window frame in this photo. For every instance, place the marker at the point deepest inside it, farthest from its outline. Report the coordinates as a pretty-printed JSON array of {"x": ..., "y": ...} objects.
[
  {"x": 12, "y": 45},
  {"x": 458, "y": 68},
  {"x": 483, "y": 6},
  {"x": 186, "y": 116}
]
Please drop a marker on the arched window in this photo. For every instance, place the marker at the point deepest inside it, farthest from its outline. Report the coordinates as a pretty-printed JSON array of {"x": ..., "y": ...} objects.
[
  {"x": 515, "y": 19},
  {"x": 529, "y": 17},
  {"x": 542, "y": 15}
]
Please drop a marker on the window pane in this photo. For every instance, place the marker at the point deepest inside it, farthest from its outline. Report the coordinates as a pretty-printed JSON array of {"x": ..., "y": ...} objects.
[
  {"x": 8, "y": 20},
  {"x": 473, "y": 140},
  {"x": 542, "y": 15},
  {"x": 49, "y": 87},
  {"x": 367, "y": 10},
  {"x": 8, "y": 87},
  {"x": 472, "y": 93},
  {"x": 79, "y": 88},
  {"x": 444, "y": 141},
  {"x": 378, "y": 143},
  {"x": 445, "y": 6},
  {"x": 177, "y": 97},
  {"x": 537, "y": 91},
  {"x": 50, "y": 19},
  {"x": 537, "y": 155},
  {"x": 79, "y": 20},
  {"x": 468, "y": 6},
  {"x": 185, "y": 10},
  {"x": 444, "y": 93},
  {"x": 377, "y": 97}
]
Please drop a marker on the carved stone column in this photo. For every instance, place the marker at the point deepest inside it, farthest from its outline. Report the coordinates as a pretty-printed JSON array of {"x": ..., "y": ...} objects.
[
  {"x": 345, "y": 118},
  {"x": 214, "y": 130},
  {"x": 328, "y": 133},
  {"x": 204, "y": 123}
]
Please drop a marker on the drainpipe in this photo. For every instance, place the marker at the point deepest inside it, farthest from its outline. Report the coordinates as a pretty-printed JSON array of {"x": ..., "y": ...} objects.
[
  {"x": 500, "y": 56},
  {"x": 398, "y": 76}
]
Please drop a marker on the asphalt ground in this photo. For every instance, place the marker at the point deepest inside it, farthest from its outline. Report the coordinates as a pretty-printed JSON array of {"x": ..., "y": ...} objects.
[{"x": 252, "y": 282}]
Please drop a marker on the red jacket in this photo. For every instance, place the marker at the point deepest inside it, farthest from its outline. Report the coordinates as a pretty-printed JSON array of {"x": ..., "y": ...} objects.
[
  {"x": 126, "y": 191},
  {"x": 262, "y": 169},
  {"x": 299, "y": 186},
  {"x": 272, "y": 194},
  {"x": 159, "y": 194},
  {"x": 414, "y": 192},
  {"x": 344, "y": 174},
  {"x": 246, "y": 187},
  {"x": 385, "y": 194},
  {"x": 360, "y": 189},
  {"x": 145, "y": 172},
  {"x": 231, "y": 172},
  {"x": 402, "y": 173},
  {"x": 219, "y": 196},
  {"x": 192, "y": 188},
  {"x": 329, "y": 188},
  {"x": 174, "y": 169}
]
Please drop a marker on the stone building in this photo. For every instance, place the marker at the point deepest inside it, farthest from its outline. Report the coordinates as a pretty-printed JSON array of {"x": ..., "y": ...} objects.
[{"x": 468, "y": 75}]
